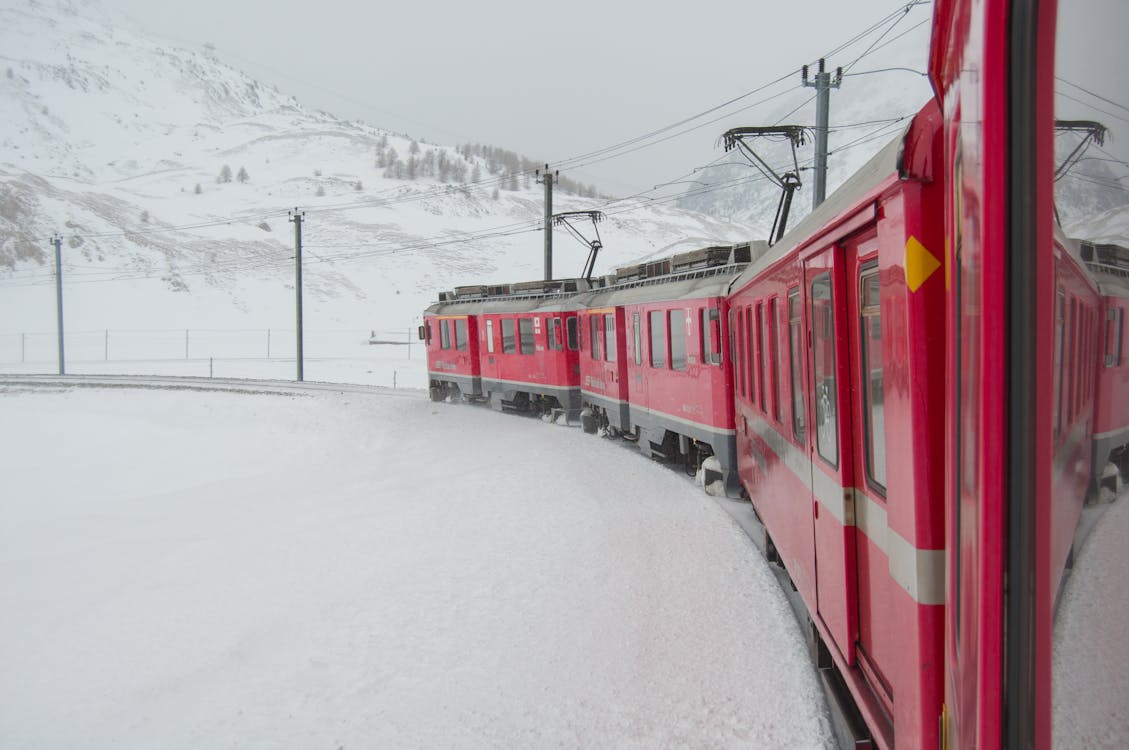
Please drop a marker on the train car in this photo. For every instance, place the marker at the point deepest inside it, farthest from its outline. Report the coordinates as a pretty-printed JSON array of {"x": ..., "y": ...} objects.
[
  {"x": 838, "y": 340},
  {"x": 1109, "y": 265},
  {"x": 652, "y": 366},
  {"x": 450, "y": 335},
  {"x": 525, "y": 340}
]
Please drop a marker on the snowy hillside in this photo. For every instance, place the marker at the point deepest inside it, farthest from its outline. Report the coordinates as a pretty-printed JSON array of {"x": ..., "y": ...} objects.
[{"x": 170, "y": 174}]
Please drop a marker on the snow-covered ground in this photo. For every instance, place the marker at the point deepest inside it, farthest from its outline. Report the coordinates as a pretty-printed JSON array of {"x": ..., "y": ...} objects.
[{"x": 183, "y": 569}]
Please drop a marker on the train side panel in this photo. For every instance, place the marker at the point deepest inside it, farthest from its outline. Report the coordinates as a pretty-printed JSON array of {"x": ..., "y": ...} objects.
[{"x": 528, "y": 362}]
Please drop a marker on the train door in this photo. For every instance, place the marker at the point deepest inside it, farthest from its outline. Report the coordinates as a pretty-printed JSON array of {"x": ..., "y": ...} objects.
[
  {"x": 877, "y": 641},
  {"x": 829, "y": 445}
]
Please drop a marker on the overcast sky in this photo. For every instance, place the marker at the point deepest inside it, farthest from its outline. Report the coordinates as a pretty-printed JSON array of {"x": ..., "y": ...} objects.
[{"x": 551, "y": 81}]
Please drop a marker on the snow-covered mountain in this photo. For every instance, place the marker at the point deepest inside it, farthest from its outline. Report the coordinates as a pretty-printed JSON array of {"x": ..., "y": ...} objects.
[{"x": 169, "y": 175}]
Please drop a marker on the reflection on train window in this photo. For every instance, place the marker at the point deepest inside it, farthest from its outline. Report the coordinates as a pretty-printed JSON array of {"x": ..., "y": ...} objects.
[
  {"x": 572, "y": 331},
  {"x": 678, "y": 339},
  {"x": 428, "y": 328},
  {"x": 823, "y": 369},
  {"x": 658, "y": 339},
  {"x": 509, "y": 341},
  {"x": 460, "y": 334},
  {"x": 609, "y": 337},
  {"x": 525, "y": 327},
  {"x": 490, "y": 336},
  {"x": 1060, "y": 313},
  {"x": 445, "y": 333},
  {"x": 795, "y": 354},
  {"x": 774, "y": 348},
  {"x": 872, "y": 377}
]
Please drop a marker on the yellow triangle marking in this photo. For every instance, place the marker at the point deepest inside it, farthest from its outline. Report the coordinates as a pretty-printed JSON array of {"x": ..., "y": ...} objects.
[{"x": 920, "y": 264}]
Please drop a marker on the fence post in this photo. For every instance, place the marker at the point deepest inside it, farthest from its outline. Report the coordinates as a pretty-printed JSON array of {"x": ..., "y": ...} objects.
[
  {"x": 268, "y": 343},
  {"x": 106, "y": 349},
  {"x": 23, "y": 347},
  {"x": 186, "y": 343},
  {"x": 409, "y": 342}
]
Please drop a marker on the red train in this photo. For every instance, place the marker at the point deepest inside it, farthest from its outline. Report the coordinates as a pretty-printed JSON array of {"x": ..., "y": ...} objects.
[{"x": 916, "y": 387}]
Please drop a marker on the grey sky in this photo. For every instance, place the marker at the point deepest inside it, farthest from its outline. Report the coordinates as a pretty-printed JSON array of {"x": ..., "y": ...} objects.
[{"x": 550, "y": 81}]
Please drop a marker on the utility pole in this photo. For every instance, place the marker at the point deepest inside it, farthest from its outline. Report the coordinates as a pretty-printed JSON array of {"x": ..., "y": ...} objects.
[
  {"x": 822, "y": 84},
  {"x": 296, "y": 217},
  {"x": 547, "y": 179},
  {"x": 57, "y": 241}
]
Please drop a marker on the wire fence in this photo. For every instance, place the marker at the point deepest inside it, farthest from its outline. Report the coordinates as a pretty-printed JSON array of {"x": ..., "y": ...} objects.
[
  {"x": 389, "y": 357},
  {"x": 196, "y": 343}
]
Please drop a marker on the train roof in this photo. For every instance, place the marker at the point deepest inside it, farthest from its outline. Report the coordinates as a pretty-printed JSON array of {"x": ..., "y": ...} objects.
[
  {"x": 704, "y": 272},
  {"x": 526, "y": 296},
  {"x": 699, "y": 283},
  {"x": 905, "y": 153},
  {"x": 692, "y": 275}
]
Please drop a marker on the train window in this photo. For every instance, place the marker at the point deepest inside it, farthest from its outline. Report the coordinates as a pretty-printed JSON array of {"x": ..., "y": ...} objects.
[
  {"x": 749, "y": 327},
  {"x": 490, "y": 336},
  {"x": 658, "y": 339},
  {"x": 1076, "y": 352},
  {"x": 760, "y": 355},
  {"x": 678, "y": 339},
  {"x": 525, "y": 329},
  {"x": 594, "y": 333},
  {"x": 552, "y": 333},
  {"x": 460, "y": 334},
  {"x": 609, "y": 337},
  {"x": 637, "y": 339},
  {"x": 703, "y": 335},
  {"x": 823, "y": 369},
  {"x": 509, "y": 341},
  {"x": 739, "y": 353},
  {"x": 572, "y": 331},
  {"x": 734, "y": 316},
  {"x": 872, "y": 377},
  {"x": 1060, "y": 304},
  {"x": 774, "y": 349},
  {"x": 1113, "y": 337},
  {"x": 711, "y": 336},
  {"x": 445, "y": 334},
  {"x": 795, "y": 354}
]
